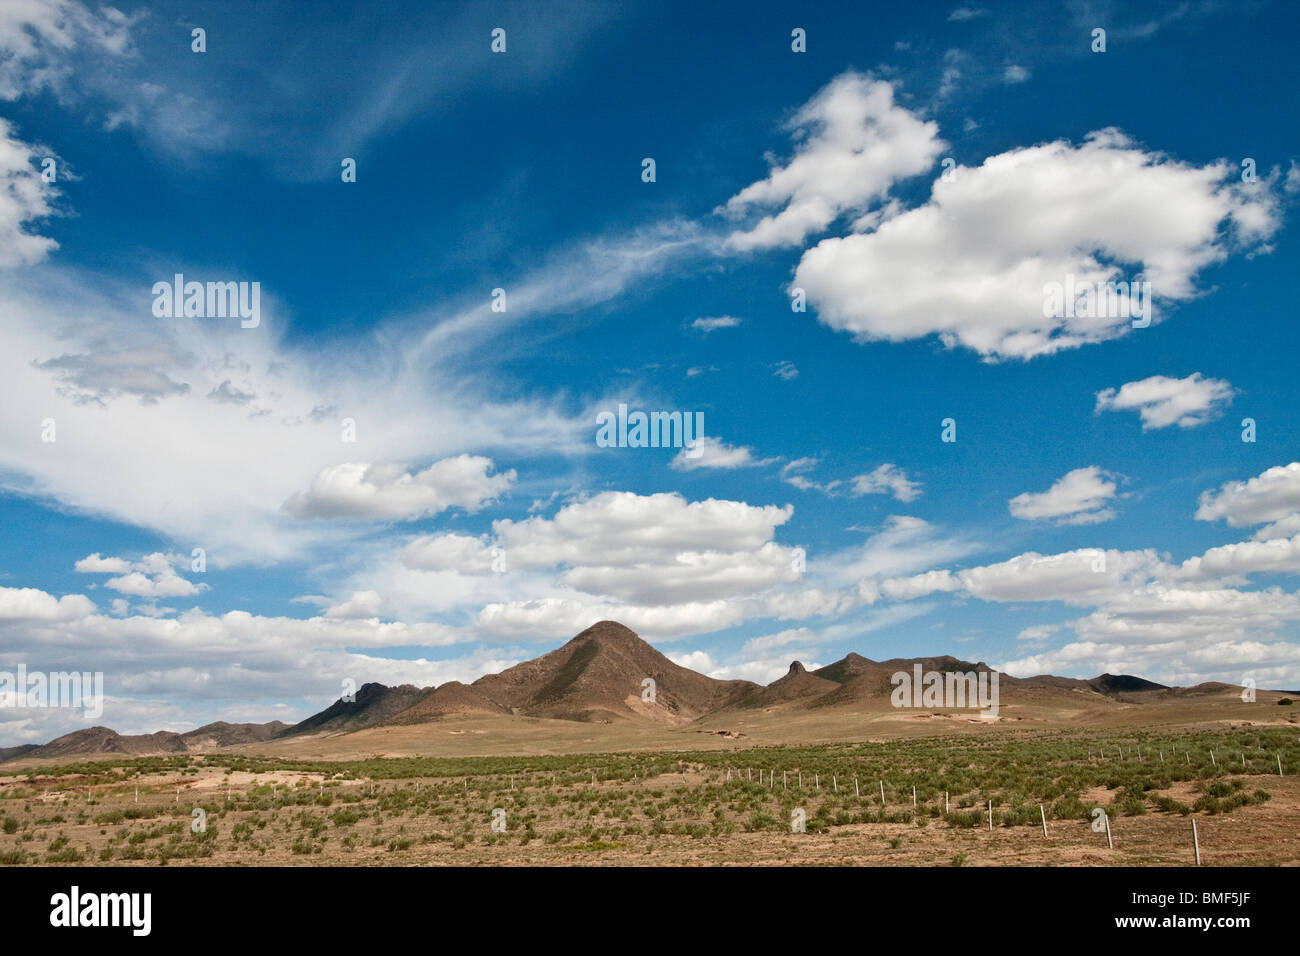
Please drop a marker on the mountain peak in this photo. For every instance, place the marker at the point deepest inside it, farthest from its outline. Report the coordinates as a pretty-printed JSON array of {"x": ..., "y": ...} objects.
[
  {"x": 797, "y": 668},
  {"x": 846, "y": 668},
  {"x": 609, "y": 632},
  {"x": 600, "y": 674}
]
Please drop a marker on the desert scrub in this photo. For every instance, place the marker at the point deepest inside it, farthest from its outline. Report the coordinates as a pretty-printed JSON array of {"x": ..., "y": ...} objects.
[
  {"x": 344, "y": 817},
  {"x": 1170, "y": 805},
  {"x": 1070, "y": 807},
  {"x": 1130, "y": 802}
]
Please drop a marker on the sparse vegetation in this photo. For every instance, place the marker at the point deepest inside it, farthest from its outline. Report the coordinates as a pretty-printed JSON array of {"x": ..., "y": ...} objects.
[{"x": 654, "y": 807}]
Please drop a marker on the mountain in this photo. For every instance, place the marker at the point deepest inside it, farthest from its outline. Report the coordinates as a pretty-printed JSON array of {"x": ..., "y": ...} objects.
[
  {"x": 600, "y": 675},
  {"x": 1123, "y": 683},
  {"x": 846, "y": 668},
  {"x": 797, "y": 684},
  {"x": 871, "y": 682},
  {"x": 222, "y": 734},
  {"x": 105, "y": 740},
  {"x": 450, "y": 699},
  {"x": 374, "y": 704}
]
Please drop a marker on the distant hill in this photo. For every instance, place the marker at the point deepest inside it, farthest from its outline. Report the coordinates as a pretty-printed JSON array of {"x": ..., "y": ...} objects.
[
  {"x": 797, "y": 684},
  {"x": 846, "y": 668},
  {"x": 869, "y": 681},
  {"x": 606, "y": 674},
  {"x": 104, "y": 740},
  {"x": 448, "y": 700},
  {"x": 599, "y": 675},
  {"x": 374, "y": 704},
  {"x": 222, "y": 734},
  {"x": 1123, "y": 684}
]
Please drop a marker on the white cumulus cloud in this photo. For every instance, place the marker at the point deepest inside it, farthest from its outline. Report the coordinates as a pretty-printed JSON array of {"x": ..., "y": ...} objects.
[
  {"x": 1079, "y": 497},
  {"x": 1163, "y": 401}
]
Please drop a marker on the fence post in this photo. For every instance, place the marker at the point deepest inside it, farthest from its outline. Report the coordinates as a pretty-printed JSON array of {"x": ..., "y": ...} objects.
[
  {"x": 1196, "y": 844},
  {"x": 1044, "y": 818}
]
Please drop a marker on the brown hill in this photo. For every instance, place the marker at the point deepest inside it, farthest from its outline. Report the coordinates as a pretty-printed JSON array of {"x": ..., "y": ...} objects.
[
  {"x": 448, "y": 700},
  {"x": 872, "y": 681},
  {"x": 104, "y": 740},
  {"x": 846, "y": 668},
  {"x": 222, "y": 734},
  {"x": 599, "y": 675},
  {"x": 374, "y": 704},
  {"x": 1123, "y": 684},
  {"x": 796, "y": 685}
]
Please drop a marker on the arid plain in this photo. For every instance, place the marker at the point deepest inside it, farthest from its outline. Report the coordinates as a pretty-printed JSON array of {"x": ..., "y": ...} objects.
[{"x": 563, "y": 760}]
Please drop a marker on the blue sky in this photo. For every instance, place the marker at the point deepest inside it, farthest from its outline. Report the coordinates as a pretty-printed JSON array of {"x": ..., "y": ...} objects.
[{"x": 1098, "y": 510}]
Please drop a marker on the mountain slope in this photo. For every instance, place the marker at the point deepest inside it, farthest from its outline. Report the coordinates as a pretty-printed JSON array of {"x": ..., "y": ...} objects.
[
  {"x": 600, "y": 674},
  {"x": 797, "y": 685},
  {"x": 846, "y": 668},
  {"x": 105, "y": 740},
  {"x": 448, "y": 700},
  {"x": 222, "y": 734},
  {"x": 872, "y": 681},
  {"x": 374, "y": 703}
]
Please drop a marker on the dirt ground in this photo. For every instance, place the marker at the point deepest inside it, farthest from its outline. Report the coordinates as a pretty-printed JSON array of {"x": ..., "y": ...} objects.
[{"x": 455, "y": 829}]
